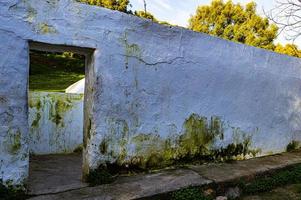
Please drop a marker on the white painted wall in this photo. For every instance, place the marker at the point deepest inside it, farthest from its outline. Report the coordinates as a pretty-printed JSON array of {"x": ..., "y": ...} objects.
[
  {"x": 56, "y": 122},
  {"x": 146, "y": 79},
  {"x": 77, "y": 88}
]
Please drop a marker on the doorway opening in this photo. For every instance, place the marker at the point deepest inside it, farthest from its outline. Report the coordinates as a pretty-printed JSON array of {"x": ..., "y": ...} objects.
[{"x": 56, "y": 117}]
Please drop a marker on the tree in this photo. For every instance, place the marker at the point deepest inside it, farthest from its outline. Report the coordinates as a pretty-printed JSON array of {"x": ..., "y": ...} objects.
[
  {"x": 120, "y": 5},
  {"x": 145, "y": 15},
  {"x": 235, "y": 22},
  {"x": 289, "y": 49},
  {"x": 287, "y": 15}
]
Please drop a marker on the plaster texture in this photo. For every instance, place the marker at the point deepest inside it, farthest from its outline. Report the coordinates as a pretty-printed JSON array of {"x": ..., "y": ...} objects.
[
  {"x": 148, "y": 88},
  {"x": 56, "y": 122}
]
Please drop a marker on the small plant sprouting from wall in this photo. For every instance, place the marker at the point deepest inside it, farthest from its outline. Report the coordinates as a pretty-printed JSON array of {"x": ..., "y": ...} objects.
[
  {"x": 100, "y": 176},
  {"x": 292, "y": 146}
]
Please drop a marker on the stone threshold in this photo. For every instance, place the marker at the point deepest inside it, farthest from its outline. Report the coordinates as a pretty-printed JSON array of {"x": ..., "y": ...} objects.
[{"x": 166, "y": 181}]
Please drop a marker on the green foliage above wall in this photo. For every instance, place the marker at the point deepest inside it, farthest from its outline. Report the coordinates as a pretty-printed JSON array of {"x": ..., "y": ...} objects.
[
  {"x": 120, "y": 5},
  {"x": 146, "y": 15},
  {"x": 288, "y": 49},
  {"x": 239, "y": 24},
  {"x": 234, "y": 22}
]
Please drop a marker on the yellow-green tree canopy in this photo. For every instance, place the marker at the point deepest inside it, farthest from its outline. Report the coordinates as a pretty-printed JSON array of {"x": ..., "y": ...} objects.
[
  {"x": 234, "y": 22},
  {"x": 120, "y": 5},
  {"x": 145, "y": 15},
  {"x": 289, "y": 49}
]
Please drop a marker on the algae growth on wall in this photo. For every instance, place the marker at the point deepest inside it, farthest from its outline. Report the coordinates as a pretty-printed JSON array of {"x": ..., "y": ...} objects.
[
  {"x": 199, "y": 140},
  {"x": 55, "y": 121}
]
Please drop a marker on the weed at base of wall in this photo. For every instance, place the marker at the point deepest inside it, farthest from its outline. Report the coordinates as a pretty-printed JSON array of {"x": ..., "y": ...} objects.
[
  {"x": 78, "y": 149},
  {"x": 292, "y": 146},
  {"x": 100, "y": 176},
  {"x": 12, "y": 192}
]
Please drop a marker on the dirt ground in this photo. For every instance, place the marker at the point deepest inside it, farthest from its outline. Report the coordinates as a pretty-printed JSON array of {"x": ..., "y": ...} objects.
[{"x": 55, "y": 173}]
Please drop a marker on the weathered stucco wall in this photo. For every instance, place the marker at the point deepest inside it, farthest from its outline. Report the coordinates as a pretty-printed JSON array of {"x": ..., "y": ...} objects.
[
  {"x": 56, "y": 122},
  {"x": 155, "y": 95}
]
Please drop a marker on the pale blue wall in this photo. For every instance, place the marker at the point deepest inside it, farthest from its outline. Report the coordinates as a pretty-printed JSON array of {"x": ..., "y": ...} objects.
[{"x": 146, "y": 78}]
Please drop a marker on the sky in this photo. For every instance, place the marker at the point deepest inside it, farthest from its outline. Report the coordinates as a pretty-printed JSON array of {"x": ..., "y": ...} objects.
[{"x": 178, "y": 12}]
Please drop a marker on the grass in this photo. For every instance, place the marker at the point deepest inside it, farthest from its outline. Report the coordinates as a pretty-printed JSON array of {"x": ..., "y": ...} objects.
[
  {"x": 54, "y": 72},
  {"x": 267, "y": 183},
  {"x": 289, "y": 192},
  {"x": 281, "y": 185},
  {"x": 191, "y": 193}
]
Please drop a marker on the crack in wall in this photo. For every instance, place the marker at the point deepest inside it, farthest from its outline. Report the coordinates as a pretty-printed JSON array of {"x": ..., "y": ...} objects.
[{"x": 168, "y": 62}]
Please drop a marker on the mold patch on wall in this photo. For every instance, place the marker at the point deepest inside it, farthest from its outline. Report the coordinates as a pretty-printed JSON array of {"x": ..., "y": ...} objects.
[
  {"x": 13, "y": 142},
  {"x": 130, "y": 49},
  {"x": 56, "y": 122},
  {"x": 195, "y": 144},
  {"x": 44, "y": 28}
]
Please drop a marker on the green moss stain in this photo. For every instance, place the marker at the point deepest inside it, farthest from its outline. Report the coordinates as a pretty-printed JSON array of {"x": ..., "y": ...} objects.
[
  {"x": 44, "y": 28},
  {"x": 16, "y": 145},
  {"x": 131, "y": 50},
  {"x": 59, "y": 106},
  {"x": 150, "y": 151},
  {"x": 13, "y": 142},
  {"x": 31, "y": 14},
  {"x": 35, "y": 122},
  {"x": 124, "y": 140},
  {"x": 118, "y": 134},
  {"x": 34, "y": 102},
  {"x": 200, "y": 134},
  {"x": 194, "y": 144},
  {"x": 50, "y": 109}
]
